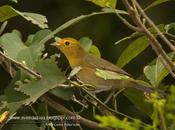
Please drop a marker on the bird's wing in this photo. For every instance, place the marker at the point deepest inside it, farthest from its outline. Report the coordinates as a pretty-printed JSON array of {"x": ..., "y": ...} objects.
[{"x": 103, "y": 64}]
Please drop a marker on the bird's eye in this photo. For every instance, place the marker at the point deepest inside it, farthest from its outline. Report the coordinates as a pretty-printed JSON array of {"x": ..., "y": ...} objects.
[{"x": 67, "y": 43}]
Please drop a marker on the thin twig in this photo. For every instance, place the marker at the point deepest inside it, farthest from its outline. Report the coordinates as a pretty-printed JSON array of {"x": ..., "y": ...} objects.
[
  {"x": 158, "y": 48},
  {"x": 60, "y": 108},
  {"x": 84, "y": 86},
  {"x": 110, "y": 109},
  {"x": 154, "y": 42},
  {"x": 159, "y": 51},
  {"x": 126, "y": 22},
  {"x": 3, "y": 26},
  {"x": 170, "y": 35},
  {"x": 21, "y": 65},
  {"x": 162, "y": 118},
  {"x": 151, "y": 23},
  {"x": 115, "y": 98},
  {"x": 109, "y": 97}
]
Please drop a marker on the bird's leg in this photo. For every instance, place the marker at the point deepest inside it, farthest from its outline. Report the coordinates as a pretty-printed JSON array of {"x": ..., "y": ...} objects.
[{"x": 80, "y": 84}]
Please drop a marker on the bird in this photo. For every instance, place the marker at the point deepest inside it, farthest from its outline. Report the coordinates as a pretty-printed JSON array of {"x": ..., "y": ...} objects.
[{"x": 98, "y": 72}]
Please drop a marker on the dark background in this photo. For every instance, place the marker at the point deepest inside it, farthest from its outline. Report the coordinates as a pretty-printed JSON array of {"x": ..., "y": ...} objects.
[{"x": 104, "y": 30}]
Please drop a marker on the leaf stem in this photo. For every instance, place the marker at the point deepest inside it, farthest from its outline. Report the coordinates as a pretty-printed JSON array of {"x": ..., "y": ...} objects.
[
  {"x": 21, "y": 65},
  {"x": 162, "y": 118},
  {"x": 72, "y": 22}
]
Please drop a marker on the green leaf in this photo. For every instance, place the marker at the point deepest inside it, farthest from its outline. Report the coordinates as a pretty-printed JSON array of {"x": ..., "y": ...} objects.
[
  {"x": 37, "y": 19},
  {"x": 20, "y": 93},
  {"x": 155, "y": 3},
  {"x": 29, "y": 40},
  {"x": 105, "y": 3},
  {"x": 15, "y": 1},
  {"x": 12, "y": 44},
  {"x": 139, "y": 45},
  {"x": 50, "y": 79},
  {"x": 138, "y": 34},
  {"x": 36, "y": 47},
  {"x": 11, "y": 94},
  {"x": 13, "y": 99},
  {"x": 109, "y": 10},
  {"x": 157, "y": 72},
  {"x": 76, "y": 20},
  {"x": 170, "y": 105},
  {"x": 3, "y": 104},
  {"x": 95, "y": 51},
  {"x": 86, "y": 43},
  {"x": 31, "y": 53},
  {"x": 138, "y": 99},
  {"x": 105, "y": 74},
  {"x": 7, "y": 12},
  {"x": 169, "y": 27},
  {"x": 114, "y": 122},
  {"x": 134, "y": 49},
  {"x": 15, "y": 48},
  {"x": 63, "y": 93}
]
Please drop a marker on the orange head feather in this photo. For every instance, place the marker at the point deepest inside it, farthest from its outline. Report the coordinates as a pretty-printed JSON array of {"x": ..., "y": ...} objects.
[{"x": 71, "y": 49}]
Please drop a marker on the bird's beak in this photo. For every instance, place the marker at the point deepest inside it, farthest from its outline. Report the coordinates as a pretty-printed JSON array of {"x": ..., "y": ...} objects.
[{"x": 55, "y": 44}]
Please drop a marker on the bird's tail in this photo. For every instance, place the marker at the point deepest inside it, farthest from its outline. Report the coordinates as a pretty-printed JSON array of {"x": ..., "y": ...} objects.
[{"x": 142, "y": 86}]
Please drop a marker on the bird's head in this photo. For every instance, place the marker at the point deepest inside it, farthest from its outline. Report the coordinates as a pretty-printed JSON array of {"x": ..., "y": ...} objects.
[
  {"x": 67, "y": 45},
  {"x": 71, "y": 49}
]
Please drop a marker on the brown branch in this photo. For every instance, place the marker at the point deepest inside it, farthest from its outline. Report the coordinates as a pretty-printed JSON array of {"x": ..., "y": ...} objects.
[
  {"x": 20, "y": 65},
  {"x": 151, "y": 23},
  {"x": 126, "y": 22},
  {"x": 63, "y": 110},
  {"x": 154, "y": 42}
]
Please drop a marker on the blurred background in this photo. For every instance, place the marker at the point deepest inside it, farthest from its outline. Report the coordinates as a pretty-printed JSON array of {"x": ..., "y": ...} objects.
[{"x": 104, "y": 30}]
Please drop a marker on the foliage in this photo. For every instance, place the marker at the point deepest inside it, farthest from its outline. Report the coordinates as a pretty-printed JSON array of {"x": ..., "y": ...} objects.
[
  {"x": 25, "y": 90},
  {"x": 113, "y": 122},
  {"x": 8, "y": 12},
  {"x": 105, "y": 3},
  {"x": 156, "y": 72}
]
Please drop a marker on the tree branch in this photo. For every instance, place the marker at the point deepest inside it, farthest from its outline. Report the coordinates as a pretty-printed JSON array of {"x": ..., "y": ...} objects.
[
  {"x": 153, "y": 41},
  {"x": 20, "y": 65},
  {"x": 60, "y": 108},
  {"x": 129, "y": 25},
  {"x": 151, "y": 23},
  {"x": 104, "y": 106}
]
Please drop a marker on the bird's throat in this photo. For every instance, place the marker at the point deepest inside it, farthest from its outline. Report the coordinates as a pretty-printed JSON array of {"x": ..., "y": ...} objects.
[{"x": 75, "y": 58}]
